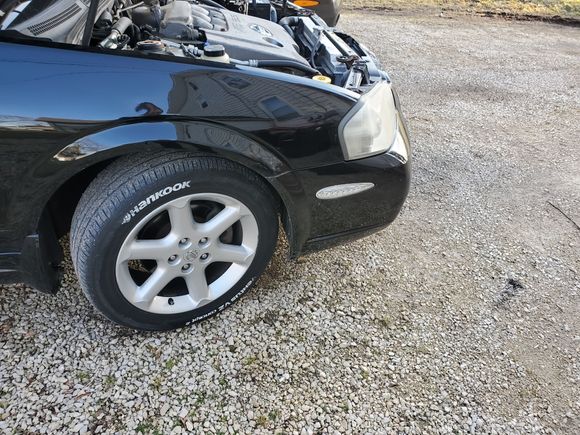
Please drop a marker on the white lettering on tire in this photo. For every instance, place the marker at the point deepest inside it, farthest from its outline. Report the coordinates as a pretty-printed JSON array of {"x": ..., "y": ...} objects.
[
  {"x": 154, "y": 197},
  {"x": 225, "y": 305}
]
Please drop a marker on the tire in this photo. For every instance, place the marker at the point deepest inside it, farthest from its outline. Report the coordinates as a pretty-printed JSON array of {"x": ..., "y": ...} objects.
[{"x": 138, "y": 207}]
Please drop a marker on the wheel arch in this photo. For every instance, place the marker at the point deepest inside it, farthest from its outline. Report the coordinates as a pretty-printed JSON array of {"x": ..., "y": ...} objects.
[{"x": 88, "y": 156}]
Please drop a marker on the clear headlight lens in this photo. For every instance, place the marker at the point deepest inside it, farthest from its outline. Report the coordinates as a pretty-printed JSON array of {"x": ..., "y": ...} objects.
[{"x": 371, "y": 126}]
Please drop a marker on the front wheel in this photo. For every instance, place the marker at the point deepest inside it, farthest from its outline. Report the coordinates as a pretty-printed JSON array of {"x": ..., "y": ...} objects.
[{"x": 160, "y": 241}]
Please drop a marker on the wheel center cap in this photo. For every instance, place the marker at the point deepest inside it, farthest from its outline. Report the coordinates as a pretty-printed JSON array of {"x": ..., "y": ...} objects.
[{"x": 191, "y": 255}]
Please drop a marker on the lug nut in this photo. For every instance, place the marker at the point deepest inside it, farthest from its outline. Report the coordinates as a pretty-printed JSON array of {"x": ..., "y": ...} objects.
[
  {"x": 185, "y": 267},
  {"x": 173, "y": 258},
  {"x": 204, "y": 256},
  {"x": 170, "y": 301},
  {"x": 203, "y": 241}
]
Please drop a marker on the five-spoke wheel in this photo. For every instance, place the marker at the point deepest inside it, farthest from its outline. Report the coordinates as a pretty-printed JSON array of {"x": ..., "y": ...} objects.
[
  {"x": 174, "y": 273},
  {"x": 161, "y": 240}
]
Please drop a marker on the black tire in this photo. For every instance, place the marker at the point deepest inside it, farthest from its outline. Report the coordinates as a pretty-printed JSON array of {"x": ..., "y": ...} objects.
[{"x": 98, "y": 227}]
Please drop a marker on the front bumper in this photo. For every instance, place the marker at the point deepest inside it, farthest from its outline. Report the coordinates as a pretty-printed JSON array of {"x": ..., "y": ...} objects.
[{"x": 335, "y": 221}]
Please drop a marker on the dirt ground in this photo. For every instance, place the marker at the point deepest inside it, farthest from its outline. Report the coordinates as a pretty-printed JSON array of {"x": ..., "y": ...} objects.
[
  {"x": 566, "y": 10},
  {"x": 491, "y": 228},
  {"x": 463, "y": 316}
]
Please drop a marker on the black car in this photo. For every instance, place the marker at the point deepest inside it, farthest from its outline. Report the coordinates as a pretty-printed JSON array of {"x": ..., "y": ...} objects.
[{"x": 169, "y": 138}]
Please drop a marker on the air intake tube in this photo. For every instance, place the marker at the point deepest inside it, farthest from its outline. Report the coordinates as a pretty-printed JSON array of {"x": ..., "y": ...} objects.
[
  {"x": 288, "y": 22},
  {"x": 119, "y": 28}
]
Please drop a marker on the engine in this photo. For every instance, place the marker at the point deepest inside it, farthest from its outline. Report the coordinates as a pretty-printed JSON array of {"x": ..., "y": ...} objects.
[
  {"x": 242, "y": 36},
  {"x": 274, "y": 34}
]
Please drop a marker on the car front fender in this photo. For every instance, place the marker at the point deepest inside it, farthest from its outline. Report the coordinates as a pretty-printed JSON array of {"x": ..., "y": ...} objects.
[
  {"x": 197, "y": 137},
  {"x": 192, "y": 136}
]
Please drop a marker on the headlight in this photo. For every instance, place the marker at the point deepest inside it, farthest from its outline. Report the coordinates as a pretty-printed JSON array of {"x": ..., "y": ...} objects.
[{"x": 371, "y": 125}]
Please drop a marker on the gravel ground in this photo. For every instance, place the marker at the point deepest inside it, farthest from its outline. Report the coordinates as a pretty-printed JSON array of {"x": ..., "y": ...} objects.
[{"x": 461, "y": 317}]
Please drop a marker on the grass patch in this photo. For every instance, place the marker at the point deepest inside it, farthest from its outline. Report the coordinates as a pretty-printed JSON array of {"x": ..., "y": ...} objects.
[
  {"x": 386, "y": 322},
  {"x": 156, "y": 383},
  {"x": 249, "y": 360},
  {"x": 83, "y": 376},
  {"x": 273, "y": 415},
  {"x": 200, "y": 399},
  {"x": 109, "y": 381},
  {"x": 262, "y": 421},
  {"x": 542, "y": 8},
  {"x": 146, "y": 428}
]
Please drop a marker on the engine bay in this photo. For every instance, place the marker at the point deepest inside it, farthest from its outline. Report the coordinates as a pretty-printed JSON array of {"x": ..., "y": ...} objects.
[{"x": 273, "y": 34}]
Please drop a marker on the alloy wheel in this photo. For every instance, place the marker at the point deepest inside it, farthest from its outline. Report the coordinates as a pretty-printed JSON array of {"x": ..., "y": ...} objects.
[{"x": 186, "y": 253}]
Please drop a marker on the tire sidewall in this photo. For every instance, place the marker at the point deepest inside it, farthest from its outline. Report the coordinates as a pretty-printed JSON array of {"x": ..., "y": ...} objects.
[{"x": 102, "y": 270}]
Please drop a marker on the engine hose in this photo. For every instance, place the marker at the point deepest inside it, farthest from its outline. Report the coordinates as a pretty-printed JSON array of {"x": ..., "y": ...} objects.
[
  {"x": 134, "y": 33},
  {"x": 118, "y": 29},
  {"x": 122, "y": 25},
  {"x": 291, "y": 21},
  {"x": 288, "y": 22},
  {"x": 288, "y": 29},
  {"x": 279, "y": 63}
]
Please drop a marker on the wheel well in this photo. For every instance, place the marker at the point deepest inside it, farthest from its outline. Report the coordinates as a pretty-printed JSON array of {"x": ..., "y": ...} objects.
[{"x": 62, "y": 204}]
